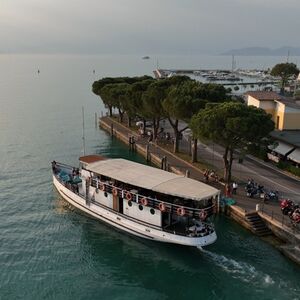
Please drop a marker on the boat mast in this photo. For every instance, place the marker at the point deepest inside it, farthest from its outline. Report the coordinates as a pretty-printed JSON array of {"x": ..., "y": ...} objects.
[
  {"x": 232, "y": 64},
  {"x": 83, "y": 136}
]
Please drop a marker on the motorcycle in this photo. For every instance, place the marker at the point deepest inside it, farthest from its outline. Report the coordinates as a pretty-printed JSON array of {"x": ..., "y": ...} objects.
[
  {"x": 271, "y": 196},
  {"x": 254, "y": 191},
  {"x": 291, "y": 209}
]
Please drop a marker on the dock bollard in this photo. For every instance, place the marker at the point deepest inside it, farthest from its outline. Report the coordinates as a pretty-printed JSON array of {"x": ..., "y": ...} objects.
[
  {"x": 112, "y": 129},
  {"x": 162, "y": 163},
  {"x": 165, "y": 164},
  {"x": 187, "y": 173},
  {"x": 147, "y": 152}
]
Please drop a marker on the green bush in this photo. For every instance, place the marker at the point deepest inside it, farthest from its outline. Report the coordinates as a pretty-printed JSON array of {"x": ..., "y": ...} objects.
[
  {"x": 284, "y": 165},
  {"x": 294, "y": 170}
]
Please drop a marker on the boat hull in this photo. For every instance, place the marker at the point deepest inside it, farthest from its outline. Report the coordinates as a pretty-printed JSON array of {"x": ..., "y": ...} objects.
[{"x": 122, "y": 222}]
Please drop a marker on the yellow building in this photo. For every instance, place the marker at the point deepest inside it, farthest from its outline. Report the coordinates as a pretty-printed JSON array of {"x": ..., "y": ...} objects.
[{"x": 285, "y": 112}]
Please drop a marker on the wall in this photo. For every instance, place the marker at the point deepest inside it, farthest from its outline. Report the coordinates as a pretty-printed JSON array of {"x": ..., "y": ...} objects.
[
  {"x": 143, "y": 215},
  {"x": 99, "y": 197},
  {"x": 292, "y": 118},
  {"x": 267, "y": 105}
]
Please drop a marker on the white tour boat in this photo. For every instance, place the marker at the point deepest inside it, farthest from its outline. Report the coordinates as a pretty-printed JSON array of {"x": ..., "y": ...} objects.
[{"x": 139, "y": 199}]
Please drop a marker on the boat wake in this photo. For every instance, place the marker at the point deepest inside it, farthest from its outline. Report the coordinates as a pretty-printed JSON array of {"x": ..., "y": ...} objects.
[{"x": 240, "y": 270}]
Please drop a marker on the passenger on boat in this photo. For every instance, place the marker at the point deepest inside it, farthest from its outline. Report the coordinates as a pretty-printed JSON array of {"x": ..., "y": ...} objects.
[{"x": 54, "y": 167}]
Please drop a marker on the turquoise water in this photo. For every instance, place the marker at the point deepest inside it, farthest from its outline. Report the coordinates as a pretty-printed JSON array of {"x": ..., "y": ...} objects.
[{"x": 50, "y": 251}]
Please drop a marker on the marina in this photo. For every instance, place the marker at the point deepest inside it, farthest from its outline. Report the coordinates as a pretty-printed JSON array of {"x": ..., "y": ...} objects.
[{"x": 251, "y": 79}]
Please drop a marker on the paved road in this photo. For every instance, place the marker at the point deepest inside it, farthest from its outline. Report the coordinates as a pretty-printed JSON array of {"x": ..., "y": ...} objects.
[{"x": 269, "y": 177}]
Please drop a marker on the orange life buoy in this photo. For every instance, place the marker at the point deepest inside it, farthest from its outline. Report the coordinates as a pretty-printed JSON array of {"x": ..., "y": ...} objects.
[
  {"x": 115, "y": 191},
  {"x": 144, "y": 201},
  {"x": 180, "y": 211},
  {"x": 128, "y": 196},
  {"x": 102, "y": 187},
  {"x": 162, "y": 206},
  {"x": 203, "y": 215}
]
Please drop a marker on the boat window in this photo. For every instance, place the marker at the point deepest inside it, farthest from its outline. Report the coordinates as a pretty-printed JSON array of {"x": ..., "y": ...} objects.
[
  {"x": 141, "y": 207},
  {"x": 152, "y": 211},
  {"x": 130, "y": 203},
  {"x": 105, "y": 194}
]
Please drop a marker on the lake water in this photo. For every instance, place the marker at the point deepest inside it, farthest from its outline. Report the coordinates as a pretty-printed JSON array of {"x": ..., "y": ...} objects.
[{"x": 50, "y": 251}]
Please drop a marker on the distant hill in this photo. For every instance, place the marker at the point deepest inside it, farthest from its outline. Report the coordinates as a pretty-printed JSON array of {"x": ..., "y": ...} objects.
[{"x": 264, "y": 51}]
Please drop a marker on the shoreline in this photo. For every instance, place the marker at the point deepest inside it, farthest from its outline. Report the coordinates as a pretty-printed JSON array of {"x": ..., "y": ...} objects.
[{"x": 289, "y": 239}]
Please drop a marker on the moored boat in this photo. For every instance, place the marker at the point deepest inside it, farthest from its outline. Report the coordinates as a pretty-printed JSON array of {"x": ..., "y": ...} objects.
[{"x": 139, "y": 199}]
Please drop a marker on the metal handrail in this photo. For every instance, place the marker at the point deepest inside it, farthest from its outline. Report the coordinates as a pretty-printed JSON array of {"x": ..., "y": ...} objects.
[
  {"x": 139, "y": 197},
  {"x": 58, "y": 164}
]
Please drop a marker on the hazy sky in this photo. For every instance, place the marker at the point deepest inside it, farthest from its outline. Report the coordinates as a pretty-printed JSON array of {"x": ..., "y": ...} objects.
[{"x": 152, "y": 26}]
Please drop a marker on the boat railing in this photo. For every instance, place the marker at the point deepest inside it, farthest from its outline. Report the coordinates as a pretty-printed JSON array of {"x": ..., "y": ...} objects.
[
  {"x": 57, "y": 166},
  {"x": 163, "y": 206}
]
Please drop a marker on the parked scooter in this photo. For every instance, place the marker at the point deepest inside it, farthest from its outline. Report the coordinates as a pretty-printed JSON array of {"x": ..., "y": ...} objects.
[
  {"x": 291, "y": 209},
  {"x": 253, "y": 191},
  {"x": 271, "y": 196}
]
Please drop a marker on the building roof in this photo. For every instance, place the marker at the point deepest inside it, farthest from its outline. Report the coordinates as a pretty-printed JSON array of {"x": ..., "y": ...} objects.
[
  {"x": 264, "y": 95},
  {"x": 281, "y": 148},
  {"x": 152, "y": 179},
  {"x": 291, "y": 137},
  {"x": 295, "y": 156},
  {"x": 290, "y": 102}
]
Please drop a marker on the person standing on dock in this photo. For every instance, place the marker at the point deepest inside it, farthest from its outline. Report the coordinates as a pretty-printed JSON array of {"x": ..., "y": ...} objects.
[{"x": 234, "y": 188}]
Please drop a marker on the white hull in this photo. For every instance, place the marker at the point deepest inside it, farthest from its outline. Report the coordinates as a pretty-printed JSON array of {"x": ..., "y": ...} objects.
[{"x": 129, "y": 225}]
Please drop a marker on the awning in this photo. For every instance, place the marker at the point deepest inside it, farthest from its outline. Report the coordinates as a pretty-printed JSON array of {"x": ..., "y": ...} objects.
[
  {"x": 281, "y": 148},
  {"x": 295, "y": 156}
]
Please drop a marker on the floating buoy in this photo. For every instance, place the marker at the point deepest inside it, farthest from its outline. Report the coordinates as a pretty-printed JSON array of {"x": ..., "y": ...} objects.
[
  {"x": 162, "y": 206},
  {"x": 203, "y": 215},
  {"x": 102, "y": 187},
  {"x": 180, "y": 211},
  {"x": 144, "y": 201},
  {"x": 128, "y": 196},
  {"x": 115, "y": 191}
]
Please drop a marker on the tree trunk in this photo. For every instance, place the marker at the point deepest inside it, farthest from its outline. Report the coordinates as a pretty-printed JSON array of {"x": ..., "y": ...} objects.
[
  {"x": 121, "y": 113},
  {"x": 194, "y": 150},
  {"x": 110, "y": 110},
  {"x": 228, "y": 159},
  {"x": 129, "y": 121},
  {"x": 176, "y": 134},
  {"x": 230, "y": 165},
  {"x": 226, "y": 165},
  {"x": 155, "y": 128},
  {"x": 176, "y": 141}
]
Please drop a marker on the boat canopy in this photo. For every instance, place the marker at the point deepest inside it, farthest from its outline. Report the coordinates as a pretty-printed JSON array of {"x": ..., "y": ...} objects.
[{"x": 152, "y": 179}]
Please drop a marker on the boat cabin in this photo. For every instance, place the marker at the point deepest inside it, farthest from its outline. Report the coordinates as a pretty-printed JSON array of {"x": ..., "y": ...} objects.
[{"x": 145, "y": 193}]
